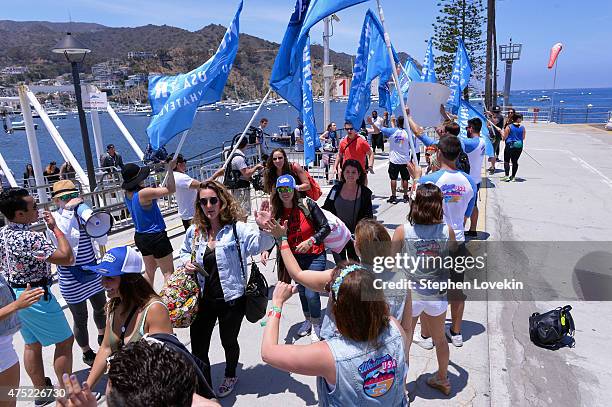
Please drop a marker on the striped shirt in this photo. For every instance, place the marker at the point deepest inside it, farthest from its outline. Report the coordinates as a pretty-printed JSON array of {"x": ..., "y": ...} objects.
[{"x": 73, "y": 291}]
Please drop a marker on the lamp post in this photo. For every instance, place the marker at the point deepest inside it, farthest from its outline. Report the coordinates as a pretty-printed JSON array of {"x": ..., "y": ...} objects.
[
  {"x": 75, "y": 53},
  {"x": 509, "y": 53}
]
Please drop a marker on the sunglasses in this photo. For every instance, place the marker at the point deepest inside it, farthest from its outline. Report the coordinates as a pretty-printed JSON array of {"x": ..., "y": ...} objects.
[
  {"x": 284, "y": 189},
  {"x": 349, "y": 129},
  {"x": 213, "y": 201},
  {"x": 68, "y": 197},
  {"x": 278, "y": 158}
]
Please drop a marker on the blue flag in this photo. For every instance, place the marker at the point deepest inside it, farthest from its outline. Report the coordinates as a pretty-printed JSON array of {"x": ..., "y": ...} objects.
[
  {"x": 372, "y": 60},
  {"x": 467, "y": 112},
  {"x": 462, "y": 69},
  {"x": 311, "y": 139},
  {"x": 286, "y": 74},
  {"x": 174, "y": 99},
  {"x": 429, "y": 71},
  {"x": 409, "y": 73}
]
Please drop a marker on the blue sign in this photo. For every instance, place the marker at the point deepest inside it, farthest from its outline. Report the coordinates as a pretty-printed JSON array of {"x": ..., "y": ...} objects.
[
  {"x": 311, "y": 140},
  {"x": 462, "y": 70},
  {"x": 429, "y": 71}
]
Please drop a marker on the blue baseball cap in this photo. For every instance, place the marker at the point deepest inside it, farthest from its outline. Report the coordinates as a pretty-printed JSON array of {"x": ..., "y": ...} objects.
[
  {"x": 118, "y": 261},
  {"x": 285, "y": 181}
]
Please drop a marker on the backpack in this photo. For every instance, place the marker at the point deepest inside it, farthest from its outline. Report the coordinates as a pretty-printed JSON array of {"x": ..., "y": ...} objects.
[
  {"x": 232, "y": 179},
  {"x": 462, "y": 162},
  {"x": 314, "y": 192},
  {"x": 548, "y": 330}
]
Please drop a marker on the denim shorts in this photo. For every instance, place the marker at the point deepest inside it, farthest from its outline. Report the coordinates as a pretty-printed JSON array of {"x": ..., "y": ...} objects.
[{"x": 43, "y": 322}]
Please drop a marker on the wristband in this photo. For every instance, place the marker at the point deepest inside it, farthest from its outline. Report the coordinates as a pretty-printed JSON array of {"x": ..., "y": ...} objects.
[
  {"x": 283, "y": 238},
  {"x": 285, "y": 245},
  {"x": 275, "y": 312}
]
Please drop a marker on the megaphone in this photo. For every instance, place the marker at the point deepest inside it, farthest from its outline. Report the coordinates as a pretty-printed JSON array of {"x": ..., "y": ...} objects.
[{"x": 97, "y": 223}]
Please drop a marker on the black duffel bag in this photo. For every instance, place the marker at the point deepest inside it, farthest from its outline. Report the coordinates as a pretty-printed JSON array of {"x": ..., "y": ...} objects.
[{"x": 550, "y": 329}]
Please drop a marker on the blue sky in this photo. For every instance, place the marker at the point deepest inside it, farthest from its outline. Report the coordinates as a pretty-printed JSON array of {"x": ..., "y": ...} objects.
[{"x": 584, "y": 27}]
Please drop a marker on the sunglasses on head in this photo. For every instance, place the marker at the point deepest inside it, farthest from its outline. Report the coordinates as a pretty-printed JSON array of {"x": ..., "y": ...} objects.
[
  {"x": 68, "y": 197},
  {"x": 284, "y": 189},
  {"x": 213, "y": 201}
]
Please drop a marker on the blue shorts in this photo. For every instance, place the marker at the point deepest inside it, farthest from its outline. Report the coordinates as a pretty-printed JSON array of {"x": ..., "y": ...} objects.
[{"x": 43, "y": 322}]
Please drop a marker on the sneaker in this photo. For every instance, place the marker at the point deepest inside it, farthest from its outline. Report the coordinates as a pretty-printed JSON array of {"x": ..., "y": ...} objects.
[
  {"x": 491, "y": 171},
  {"x": 305, "y": 328},
  {"x": 406, "y": 198},
  {"x": 512, "y": 179},
  {"x": 425, "y": 343},
  {"x": 471, "y": 233},
  {"x": 392, "y": 199},
  {"x": 505, "y": 178},
  {"x": 457, "y": 340},
  {"x": 227, "y": 386},
  {"x": 315, "y": 335},
  {"x": 89, "y": 357}
]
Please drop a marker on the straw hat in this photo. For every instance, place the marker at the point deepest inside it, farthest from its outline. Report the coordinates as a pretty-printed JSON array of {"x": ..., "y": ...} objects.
[{"x": 63, "y": 187}]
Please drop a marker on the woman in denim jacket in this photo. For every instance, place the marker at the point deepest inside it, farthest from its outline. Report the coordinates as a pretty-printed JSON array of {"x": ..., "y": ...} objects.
[
  {"x": 210, "y": 250},
  {"x": 9, "y": 325}
]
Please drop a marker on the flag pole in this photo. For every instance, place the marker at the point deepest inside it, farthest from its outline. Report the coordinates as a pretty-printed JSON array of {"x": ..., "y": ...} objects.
[
  {"x": 246, "y": 129},
  {"x": 178, "y": 149},
  {"x": 396, "y": 80}
]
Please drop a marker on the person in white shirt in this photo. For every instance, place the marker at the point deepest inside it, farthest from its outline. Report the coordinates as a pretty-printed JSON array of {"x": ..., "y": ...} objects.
[
  {"x": 377, "y": 135},
  {"x": 186, "y": 190},
  {"x": 298, "y": 136}
]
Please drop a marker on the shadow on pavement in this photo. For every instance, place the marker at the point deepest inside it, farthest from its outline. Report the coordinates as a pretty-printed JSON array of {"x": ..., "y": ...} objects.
[
  {"x": 457, "y": 376},
  {"x": 468, "y": 328},
  {"x": 262, "y": 380}
]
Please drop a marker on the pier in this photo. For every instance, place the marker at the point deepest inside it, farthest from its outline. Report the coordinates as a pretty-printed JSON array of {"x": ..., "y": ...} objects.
[{"x": 562, "y": 196}]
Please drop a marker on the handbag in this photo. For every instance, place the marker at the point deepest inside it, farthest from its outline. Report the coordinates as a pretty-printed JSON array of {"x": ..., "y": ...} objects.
[
  {"x": 549, "y": 330},
  {"x": 181, "y": 293},
  {"x": 256, "y": 289}
]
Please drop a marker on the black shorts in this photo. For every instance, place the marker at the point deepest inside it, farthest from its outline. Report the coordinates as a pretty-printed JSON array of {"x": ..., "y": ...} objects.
[
  {"x": 396, "y": 169},
  {"x": 153, "y": 244}
]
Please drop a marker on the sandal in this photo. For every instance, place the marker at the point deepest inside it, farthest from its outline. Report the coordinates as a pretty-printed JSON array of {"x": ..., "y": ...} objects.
[{"x": 438, "y": 384}]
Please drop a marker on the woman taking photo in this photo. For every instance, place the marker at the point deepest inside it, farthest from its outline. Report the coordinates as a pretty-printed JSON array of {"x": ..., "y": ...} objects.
[
  {"x": 426, "y": 236},
  {"x": 366, "y": 364},
  {"x": 514, "y": 137},
  {"x": 150, "y": 228},
  {"x": 133, "y": 309},
  {"x": 307, "y": 228},
  {"x": 350, "y": 201},
  {"x": 278, "y": 165},
  {"x": 220, "y": 245}
]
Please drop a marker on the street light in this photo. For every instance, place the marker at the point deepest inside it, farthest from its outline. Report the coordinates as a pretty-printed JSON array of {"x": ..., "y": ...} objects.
[
  {"x": 509, "y": 53},
  {"x": 75, "y": 52}
]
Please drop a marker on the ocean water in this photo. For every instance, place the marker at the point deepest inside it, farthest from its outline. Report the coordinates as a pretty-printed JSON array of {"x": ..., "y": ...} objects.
[{"x": 210, "y": 129}]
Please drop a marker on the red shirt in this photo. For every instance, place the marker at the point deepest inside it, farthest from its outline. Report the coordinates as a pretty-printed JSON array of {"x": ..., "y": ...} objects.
[
  {"x": 299, "y": 228},
  {"x": 355, "y": 149}
]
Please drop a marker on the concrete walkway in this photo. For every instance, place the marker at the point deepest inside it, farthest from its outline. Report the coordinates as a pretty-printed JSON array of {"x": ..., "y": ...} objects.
[{"x": 567, "y": 182}]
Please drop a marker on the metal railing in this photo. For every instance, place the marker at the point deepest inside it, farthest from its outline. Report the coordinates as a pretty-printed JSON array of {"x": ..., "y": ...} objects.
[{"x": 563, "y": 115}]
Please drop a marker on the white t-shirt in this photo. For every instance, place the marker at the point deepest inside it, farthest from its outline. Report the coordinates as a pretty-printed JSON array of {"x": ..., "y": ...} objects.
[
  {"x": 299, "y": 142},
  {"x": 379, "y": 122},
  {"x": 399, "y": 145},
  {"x": 185, "y": 196},
  {"x": 476, "y": 158}
]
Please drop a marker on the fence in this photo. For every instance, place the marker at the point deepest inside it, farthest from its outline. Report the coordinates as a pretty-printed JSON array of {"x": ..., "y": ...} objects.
[{"x": 564, "y": 115}]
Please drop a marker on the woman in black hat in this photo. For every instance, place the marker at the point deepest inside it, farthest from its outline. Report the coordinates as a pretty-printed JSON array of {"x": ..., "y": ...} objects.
[{"x": 150, "y": 229}]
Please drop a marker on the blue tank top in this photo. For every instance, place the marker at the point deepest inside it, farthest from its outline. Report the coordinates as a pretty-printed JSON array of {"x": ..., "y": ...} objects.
[
  {"x": 146, "y": 220},
  {"x": 516, "y": 134},
  {"x": 366, "y": 376}
]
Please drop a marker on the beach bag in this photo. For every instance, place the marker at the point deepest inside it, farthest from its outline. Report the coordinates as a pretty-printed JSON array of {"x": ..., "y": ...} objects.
[
  {"x": 256, "y": 289},
  {"x": 181, "y": 293},
  {"x": 340, "y": 234},
  {"x": 314, "y": 192},
  {"x": 548, "y": 330}
]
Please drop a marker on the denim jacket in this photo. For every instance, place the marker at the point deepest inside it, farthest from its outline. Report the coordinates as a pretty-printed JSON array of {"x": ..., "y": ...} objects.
[
  {"x": 252, "y": 242},
  {"x": 10, "y": 324}
]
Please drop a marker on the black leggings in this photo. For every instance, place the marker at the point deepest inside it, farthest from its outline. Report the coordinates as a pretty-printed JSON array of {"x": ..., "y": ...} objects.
[
  {"x": 511, "y": 154},
  {"x": 230, "y": 315},
  {"x": 79, "y": 317}
]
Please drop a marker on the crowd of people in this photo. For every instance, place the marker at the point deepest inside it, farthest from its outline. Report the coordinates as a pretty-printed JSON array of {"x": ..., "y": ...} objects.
[{"x": 359, "y": 345}]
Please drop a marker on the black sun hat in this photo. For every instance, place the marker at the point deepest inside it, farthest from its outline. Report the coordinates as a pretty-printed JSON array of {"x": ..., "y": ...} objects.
[{"x": 133, "y": 175}]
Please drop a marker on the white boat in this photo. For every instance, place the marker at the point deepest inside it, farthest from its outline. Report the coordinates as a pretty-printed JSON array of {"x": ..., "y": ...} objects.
[
  {"x": 20, "y": 126},
  {"x": 246, "y": 106},
  {"x": 208, "y": 108}
]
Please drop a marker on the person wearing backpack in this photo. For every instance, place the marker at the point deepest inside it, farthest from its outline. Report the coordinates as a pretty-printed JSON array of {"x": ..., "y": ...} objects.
[
  {"x": 308, "y": 227},
  {"x": 278, "y": 165},
  {"x": 220, "y": 242}
]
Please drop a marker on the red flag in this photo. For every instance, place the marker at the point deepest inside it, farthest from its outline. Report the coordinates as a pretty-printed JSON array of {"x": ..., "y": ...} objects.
[{"x": 554, "y": 54}]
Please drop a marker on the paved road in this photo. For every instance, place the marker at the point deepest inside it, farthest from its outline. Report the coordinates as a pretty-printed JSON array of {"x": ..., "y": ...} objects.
[{"x": 564, "y": 197}]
